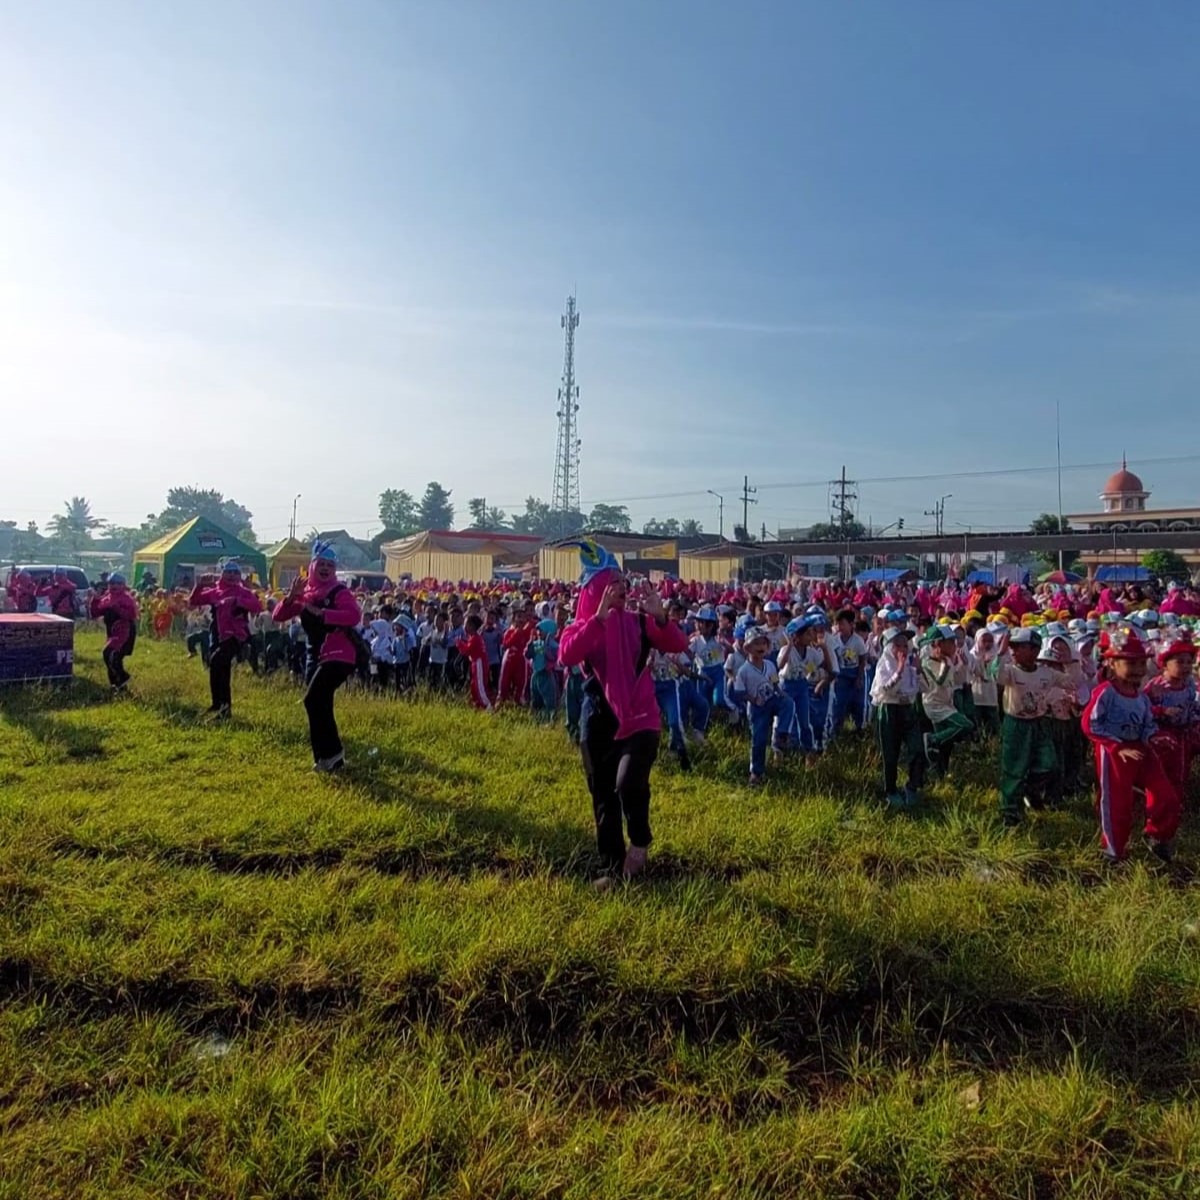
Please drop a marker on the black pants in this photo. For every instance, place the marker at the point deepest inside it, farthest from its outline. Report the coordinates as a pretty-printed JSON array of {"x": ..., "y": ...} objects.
[
  {"x": 220, "y": 667},
  {"x": 198, "y": 641},
  {"x": 618, "y": 776},
  {"x": 382, "y": 679},
  {"x": 114, "y": 661},
  {"x": 318, "y": 703}
]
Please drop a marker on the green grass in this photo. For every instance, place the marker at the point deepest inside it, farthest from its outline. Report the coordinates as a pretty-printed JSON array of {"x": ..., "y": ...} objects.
[{"x": 221, "y": 976}]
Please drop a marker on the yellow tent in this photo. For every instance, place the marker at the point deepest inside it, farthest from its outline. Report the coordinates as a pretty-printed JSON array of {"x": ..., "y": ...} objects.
[
  {"x": 285, "y": 561},
  {"x": 445, "y": 555},
  {"x": 719, "y": 563}
]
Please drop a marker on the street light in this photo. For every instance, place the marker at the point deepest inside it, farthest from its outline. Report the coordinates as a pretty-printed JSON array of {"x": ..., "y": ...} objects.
[
  {"x": 294, "y": 503},
  {"x": 720, "y": 512}
]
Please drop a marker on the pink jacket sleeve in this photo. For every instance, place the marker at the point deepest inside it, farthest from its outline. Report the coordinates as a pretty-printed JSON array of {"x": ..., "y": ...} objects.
[
  {"x": 201, "y": 596},
  {"x": 249, "y": 601},
  {"x": 580, "y": 641},
  {"x": 286, "y": 609}
]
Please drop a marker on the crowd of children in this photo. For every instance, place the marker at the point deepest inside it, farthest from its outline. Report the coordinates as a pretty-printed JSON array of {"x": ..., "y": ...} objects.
[{"x": 1030, "y": 676}]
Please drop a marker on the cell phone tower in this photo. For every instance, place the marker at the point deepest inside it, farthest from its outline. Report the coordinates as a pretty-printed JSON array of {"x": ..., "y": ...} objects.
[{"x": 565, "y": 501}]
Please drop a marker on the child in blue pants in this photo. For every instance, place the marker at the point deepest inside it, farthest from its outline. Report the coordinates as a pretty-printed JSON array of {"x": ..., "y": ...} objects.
[
  {"x": 768, "y": 706},
  {"x": 665, "y": 672},
  {"x": 708, "y": 657},
  {"x": 796, "y": 661},
  {"x": 820, "y": 680},
  {"x": 850, "y": 652}
]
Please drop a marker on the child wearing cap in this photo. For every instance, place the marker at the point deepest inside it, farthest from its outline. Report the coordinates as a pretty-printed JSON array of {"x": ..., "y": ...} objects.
[
  {"x": 232, "y": 605},
  {"x": 1176, "y": 711},
  {"x": 708, "y": 656},
  {"x": 948, "y": 725},
  {"x": 735, "y": 698},
  {"x": 894, "y": 691},
  {"x": 689, "y": 683},
  {"x": 797, "y": 661},
  {"x": 767, "y": 705},
  {"x": 1028, "y": 762},
  {"x": 1119, "y": 722},
  {"x": 850, "y": 653}
]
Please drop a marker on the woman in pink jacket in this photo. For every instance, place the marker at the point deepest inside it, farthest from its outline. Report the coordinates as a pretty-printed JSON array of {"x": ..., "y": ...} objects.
[
  {"x": 619, "y": 724},
  {"x": 118, "y": 609},
  {"x": 328, "y": 611},
  {"x": 232, "y": 603}
]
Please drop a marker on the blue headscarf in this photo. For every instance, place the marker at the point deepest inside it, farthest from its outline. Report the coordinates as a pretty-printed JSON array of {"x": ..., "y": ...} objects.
[{"x": 324, "y": 550}]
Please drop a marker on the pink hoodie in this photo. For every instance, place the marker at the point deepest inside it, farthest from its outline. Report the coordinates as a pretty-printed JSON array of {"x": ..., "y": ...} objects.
[
  {"x": 233, "y": 602},
  {"x": 341, "y": 614},
  {"x": 119, "y": 611},
  {"x": 611, "y": 648}
]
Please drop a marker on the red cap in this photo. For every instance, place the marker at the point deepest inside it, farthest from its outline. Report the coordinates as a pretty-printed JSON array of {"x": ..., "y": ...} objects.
[
  {"x": 1178, "y": 646},
  {"x": 1122, "y": 642}
]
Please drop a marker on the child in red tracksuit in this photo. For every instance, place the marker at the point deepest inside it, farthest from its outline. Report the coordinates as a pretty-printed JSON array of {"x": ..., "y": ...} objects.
[
  {"x": 1172, "y": 694},
  {"x": 1119, "y": 722},
  {"x": 474, "y": 652},
  {"x": 514, "y": 669}
]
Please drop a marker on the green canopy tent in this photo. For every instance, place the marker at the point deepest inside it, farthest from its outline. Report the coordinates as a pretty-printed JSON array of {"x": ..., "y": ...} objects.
[{"x": 180, "y": 557}]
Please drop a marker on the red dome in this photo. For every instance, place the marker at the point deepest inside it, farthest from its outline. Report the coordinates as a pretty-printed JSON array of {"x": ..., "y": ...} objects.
[{"x": 1123, "y": 482}]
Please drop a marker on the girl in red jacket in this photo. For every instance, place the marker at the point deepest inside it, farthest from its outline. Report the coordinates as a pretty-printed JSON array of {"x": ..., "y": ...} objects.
[
  {"x": 328, "y": 612},
  {"x": 117, "y": 608},
  {"x": 233, "y": 603}
]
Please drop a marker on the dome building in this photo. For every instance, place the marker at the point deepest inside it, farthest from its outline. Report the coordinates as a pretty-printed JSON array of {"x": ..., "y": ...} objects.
[{"x": 1123, "y": 503}]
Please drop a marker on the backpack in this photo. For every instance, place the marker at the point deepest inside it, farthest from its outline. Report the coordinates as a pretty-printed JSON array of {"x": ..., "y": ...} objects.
[{"x": 317, "y": 632}]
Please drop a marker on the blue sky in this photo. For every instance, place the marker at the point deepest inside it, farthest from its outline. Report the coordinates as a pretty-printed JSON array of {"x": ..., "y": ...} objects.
[{"x": 323, "y": 248}]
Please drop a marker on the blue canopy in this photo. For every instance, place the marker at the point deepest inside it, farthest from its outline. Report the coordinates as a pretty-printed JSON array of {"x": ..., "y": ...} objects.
[
  {"x": 881, "y": 575},
  {"x": 1122, "y": 575}
]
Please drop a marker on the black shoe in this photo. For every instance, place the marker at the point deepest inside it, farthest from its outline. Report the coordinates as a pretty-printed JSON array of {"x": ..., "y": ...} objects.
[{"x": 1163, "y": 851}]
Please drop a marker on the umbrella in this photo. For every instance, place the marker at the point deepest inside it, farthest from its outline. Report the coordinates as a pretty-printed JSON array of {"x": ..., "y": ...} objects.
[{"x": 1059, "y": 577}]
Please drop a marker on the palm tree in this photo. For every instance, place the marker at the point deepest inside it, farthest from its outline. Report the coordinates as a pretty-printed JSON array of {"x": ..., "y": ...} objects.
[{"x": 72, "y": 528}]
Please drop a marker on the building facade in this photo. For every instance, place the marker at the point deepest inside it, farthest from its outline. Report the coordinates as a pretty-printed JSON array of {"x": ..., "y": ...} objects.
[{"x": 1124, "y": 511}]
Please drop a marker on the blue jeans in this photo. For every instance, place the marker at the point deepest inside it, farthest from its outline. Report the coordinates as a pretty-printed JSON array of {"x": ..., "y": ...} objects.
[
  {"x": 667, "y": 695},
  {"x": 693, "y": 707},
  {"x": 779, "y": 711},
  {"x": 847, "y": 702},
  {"x": 799, "y": 693},
  {"x": 715, "y": 692},
  {"x": 818, "y": 717}
]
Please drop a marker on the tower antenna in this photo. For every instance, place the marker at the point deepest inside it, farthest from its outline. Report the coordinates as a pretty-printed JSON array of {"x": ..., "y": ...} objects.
[{"x": 565, "y": 501}]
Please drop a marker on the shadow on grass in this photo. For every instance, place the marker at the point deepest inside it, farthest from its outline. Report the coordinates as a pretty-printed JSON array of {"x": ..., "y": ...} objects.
[{"x": 77, "y": 742}]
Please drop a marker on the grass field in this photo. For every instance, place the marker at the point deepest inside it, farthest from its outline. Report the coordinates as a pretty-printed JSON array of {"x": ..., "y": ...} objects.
[{"x": 225, "y": 977}]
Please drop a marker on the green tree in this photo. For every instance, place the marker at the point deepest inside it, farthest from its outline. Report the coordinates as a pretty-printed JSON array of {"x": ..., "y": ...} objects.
[
  {"x": 612, "y": 518},
  {"x": 184, "y": 503},
  {"x": 690, "y": 528},
  {"x": 841, "y": 531},
  {"x": 398, "y": 512},
  {"x": 1166, "y": 564},
  {"x": 72, "y": 528},
  {"x": 535, "y": 520},
  {"x": 1047, "y": 560},
  {"x": 436, "y": 510},
  {"x": 667, "y": 528},
  {"x": 483, "y": 517}
]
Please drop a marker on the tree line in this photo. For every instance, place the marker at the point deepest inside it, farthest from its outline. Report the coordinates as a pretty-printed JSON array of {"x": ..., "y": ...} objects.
[{"x": 401, "y": 514}]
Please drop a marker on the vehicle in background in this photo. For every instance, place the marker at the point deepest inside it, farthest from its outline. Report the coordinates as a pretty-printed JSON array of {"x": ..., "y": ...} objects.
[
  {"x": 368, "y": 581},
  {"x": 44, "y": 572}
]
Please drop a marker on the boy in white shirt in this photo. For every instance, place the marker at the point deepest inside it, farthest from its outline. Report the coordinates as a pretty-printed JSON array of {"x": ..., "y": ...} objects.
[
  {"x": 937, "y": 697},
  {"x": 894, "y": 692},
  {"x": 1027, "y": 758},
  {"x": 768, "y": 706}
]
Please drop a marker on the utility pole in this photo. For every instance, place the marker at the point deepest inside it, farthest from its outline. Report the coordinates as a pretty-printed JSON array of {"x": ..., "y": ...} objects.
[
  {"x": 843, "y": 513},
  {"x": 938, "y": 513},
  {"x": 294, "y": 503},
  {"x": 747, "y": 493},
  {"x": 720, "y": 512}
]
